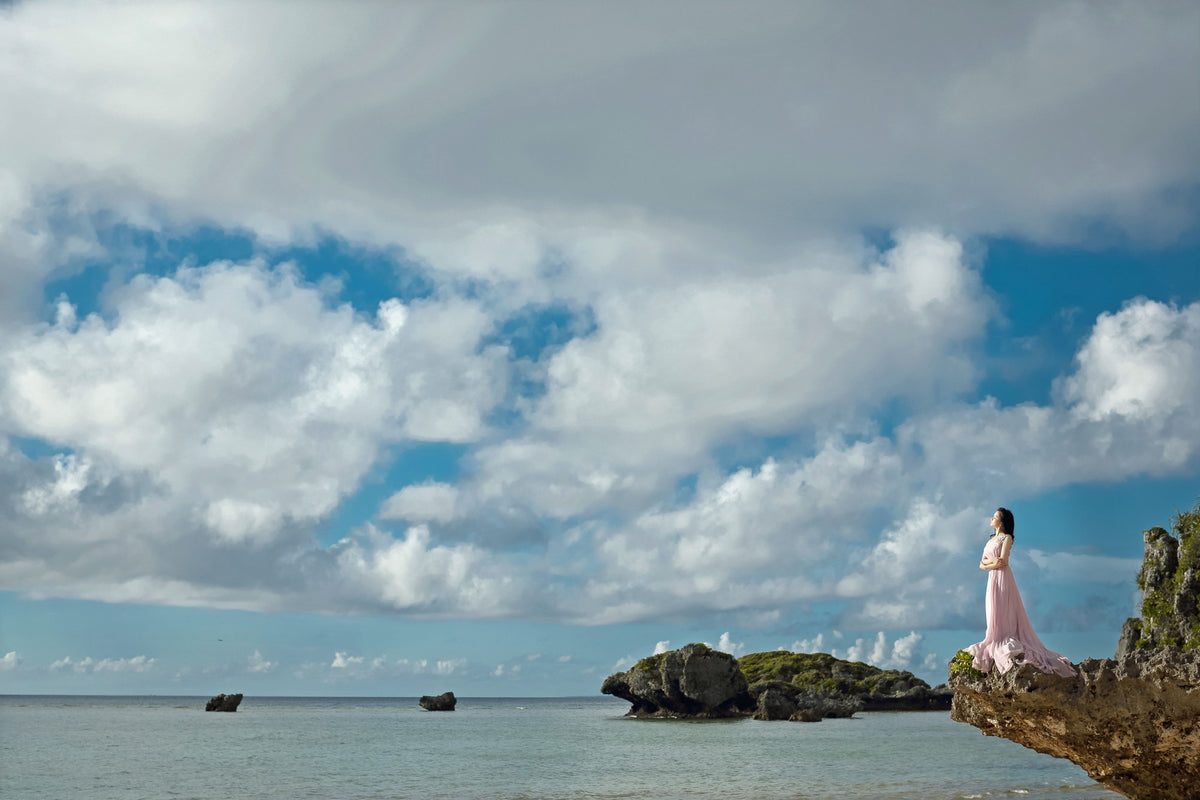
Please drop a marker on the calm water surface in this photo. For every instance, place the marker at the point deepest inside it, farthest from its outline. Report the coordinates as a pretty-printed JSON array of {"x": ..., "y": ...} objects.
[{"x": 508, "y": 749}]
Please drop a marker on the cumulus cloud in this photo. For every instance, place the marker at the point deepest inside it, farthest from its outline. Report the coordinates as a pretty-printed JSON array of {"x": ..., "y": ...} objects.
[
  {"x": 240, "y": 382},
  {"x": 11, "y": 661},
  {"x": 726, "y": 645},
  {"x": 859, "y": 520},
  {"x": 669, "y": 374},
  {"x": 897, "y": 654},
  {"x": 426, "y": 502},
  {"x": 342, "y": 660},
  {"x": 89, "y": 665},
  {"x": 813, "y": 645},
  {"x": 256, "y": 663}
]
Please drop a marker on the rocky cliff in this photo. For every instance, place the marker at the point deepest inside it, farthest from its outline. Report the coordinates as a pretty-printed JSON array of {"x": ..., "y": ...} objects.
[
  {"x": 1133, "y": 721},
  {"x": 1170, "y": 584},
  {"x": 694, "y": 682},
  {"x": 1133, "y": 724}
]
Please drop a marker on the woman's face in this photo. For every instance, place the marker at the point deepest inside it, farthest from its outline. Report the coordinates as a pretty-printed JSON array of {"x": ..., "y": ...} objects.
[{"x": 996, "y": 523}]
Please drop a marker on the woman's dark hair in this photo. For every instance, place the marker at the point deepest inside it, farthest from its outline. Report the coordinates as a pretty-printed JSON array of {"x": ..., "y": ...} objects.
[{"x": 1007, "y": 523}]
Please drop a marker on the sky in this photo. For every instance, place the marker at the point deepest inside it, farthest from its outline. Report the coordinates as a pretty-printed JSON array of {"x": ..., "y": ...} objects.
[{"x": 487, "y": 347}]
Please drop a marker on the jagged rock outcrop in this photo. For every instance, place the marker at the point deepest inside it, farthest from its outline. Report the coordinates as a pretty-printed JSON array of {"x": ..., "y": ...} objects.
[
  {"x": 775, "y": 700},
  {"x": 224, "y": 702},
  {"x": 700, "y": 683},
  {"x": 441, "y": 702},
  {"x": 1133, "y": 721},
  {"x": 694, "y": 682},
  {"x": 1133, "y": 725},
  {"x": 1170, "y": 584}
]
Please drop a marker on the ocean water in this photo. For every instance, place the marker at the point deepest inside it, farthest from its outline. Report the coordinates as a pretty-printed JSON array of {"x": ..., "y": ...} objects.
[{"x": 152, "y": 748}]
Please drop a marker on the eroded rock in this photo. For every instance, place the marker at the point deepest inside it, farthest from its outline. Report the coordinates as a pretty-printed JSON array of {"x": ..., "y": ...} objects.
[
  {"x": 694, "y": 682},
  {"x": 224, "y": 702},
  {"x": 441, "y": 702},
  {"x": 1133, "y": 725}
]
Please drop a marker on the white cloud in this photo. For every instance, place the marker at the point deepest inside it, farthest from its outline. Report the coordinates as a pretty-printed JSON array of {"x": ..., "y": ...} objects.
[
  {"x": 813, "y": 645},
  {"x": 244, "y": 394},
  {"x": 413, "y": 574},
  {"x": 449, "y": 666},
  {"x": 343, "y": 660},
  {"x": 1139, "y": 363},
  {"x": 454, "y": 115},
  {"x": 726, "y": 645},
  {"x": 256, "y": 663},
  {"x": 662, "y": 647},
  {"x": 91, "y": 665},
  {"x": 11, "y": 661},
  {"x": 896, "y": 655},
  {"x": 426, "y": 502}
]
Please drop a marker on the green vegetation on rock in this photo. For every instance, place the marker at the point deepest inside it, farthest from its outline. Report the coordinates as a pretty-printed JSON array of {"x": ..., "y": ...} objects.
[
  {"x": 1170, "y": 580},
  {"x": 822, "y": 672},
  {"x": 963, "y": 663}
]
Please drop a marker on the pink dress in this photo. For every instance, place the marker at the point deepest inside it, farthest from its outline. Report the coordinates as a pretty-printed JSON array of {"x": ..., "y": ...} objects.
[{"x": 1010, "y": 638}]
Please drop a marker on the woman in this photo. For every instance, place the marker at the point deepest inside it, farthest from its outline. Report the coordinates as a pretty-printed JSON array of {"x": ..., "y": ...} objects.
[{"x": 1010, "y": 638}]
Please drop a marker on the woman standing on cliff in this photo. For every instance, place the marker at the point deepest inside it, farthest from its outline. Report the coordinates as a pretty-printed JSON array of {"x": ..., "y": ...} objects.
[{"x": 1010, "y": 638}]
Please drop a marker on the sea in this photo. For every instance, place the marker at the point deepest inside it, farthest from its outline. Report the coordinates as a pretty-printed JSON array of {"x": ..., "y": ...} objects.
[{"x": 575, "y": 748}]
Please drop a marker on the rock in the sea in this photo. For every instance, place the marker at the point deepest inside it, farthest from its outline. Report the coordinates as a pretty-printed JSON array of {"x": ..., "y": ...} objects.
[
  {"x": 224, "y": 702},
  {"x": 442, "y": 702},
  {"x": 694, "y": 682},
  {"x": 1133, "y": 725},
  {"x": 779, "y": 700},
  {"x": 866, "y": 687},
  {"x": 699, "y": 683}
]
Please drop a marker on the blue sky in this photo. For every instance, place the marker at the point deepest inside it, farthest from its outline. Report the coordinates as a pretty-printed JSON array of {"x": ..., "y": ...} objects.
[{"x": 390, "y": 349}]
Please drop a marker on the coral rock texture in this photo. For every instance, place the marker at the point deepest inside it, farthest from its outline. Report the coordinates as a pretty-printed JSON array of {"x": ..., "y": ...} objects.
[
  {"x": 1133, "y": 725},
  {"x": 694, "y": 681}
]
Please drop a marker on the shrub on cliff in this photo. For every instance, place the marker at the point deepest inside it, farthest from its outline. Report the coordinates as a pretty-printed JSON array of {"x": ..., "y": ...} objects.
[{"x": 1170, "y": 584}]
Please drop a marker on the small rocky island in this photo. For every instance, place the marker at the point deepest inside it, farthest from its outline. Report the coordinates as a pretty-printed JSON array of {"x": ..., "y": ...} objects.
[
  {"x": 1132, "y": 721},
  {"x": 224, "y": 702},
  {"x": 439, "y": 702},
  {"x": 697, "y": 682}
]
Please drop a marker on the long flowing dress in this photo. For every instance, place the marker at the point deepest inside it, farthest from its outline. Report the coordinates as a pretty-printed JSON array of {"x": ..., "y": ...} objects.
[{"x": 1010, "y": 638}]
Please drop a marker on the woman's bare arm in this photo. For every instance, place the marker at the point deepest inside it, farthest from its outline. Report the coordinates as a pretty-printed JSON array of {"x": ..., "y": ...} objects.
[{"x": 1001, "y": 560}]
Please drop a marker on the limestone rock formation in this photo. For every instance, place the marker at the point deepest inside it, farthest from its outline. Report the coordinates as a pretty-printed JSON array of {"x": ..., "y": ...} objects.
[
  {"x": 776, "y": 700},
  {"x": 1133, "y": 725},
  {"x": 869, "y": 688},
  {"x": 694, "y": 681},
  {"x": 700, "y": 683},
  {"x": 442, "y": 702},
  {"x": 1170, "y": 584},
  {"x": 224, "y": 702}
]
